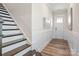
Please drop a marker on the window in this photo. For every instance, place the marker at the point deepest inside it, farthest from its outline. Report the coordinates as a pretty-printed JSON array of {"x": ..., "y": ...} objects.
[{"x": 59, "y": 20}]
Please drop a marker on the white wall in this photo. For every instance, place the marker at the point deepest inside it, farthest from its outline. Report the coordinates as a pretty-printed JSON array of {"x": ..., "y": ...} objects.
[
  {"x": 75, "y": 31},
  {"x": 73, "y": 36},
  {"x": 22, "y": 15},
  {"x": 40, "y": 36},
  {"x": 76, "y": 17}
]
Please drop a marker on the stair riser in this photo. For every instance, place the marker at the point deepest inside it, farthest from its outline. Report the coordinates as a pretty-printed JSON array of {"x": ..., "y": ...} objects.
[
  {"x": 4, "y": 14},
  {"x": 10, "y": 32},
  {"x": 9, "y": 27},
  {"x": 5, "y": 22},
  {"x": 6, "y": 18},
  {"x": 13, "y": 42}
]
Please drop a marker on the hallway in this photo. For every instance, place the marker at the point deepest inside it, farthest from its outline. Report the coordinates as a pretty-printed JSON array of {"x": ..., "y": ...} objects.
[{"x": 57, "y": 47}]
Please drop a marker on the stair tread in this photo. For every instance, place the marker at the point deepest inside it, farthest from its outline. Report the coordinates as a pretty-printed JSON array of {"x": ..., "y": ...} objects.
[
  {"x": 30, "y": 53},
  {"x": 9, "y": 29},
  {"x": 4, "y": 36},
  {"x": 5, "y": 13},
  {"x": 17, "y": 50},
  {"x": 9, "y": 24},
  {"x": 13, "y": 42},
  {"x": 1, "y": 6},
  {"x": 8, "y": 20},
  {"x": 3, "y": 10},
  {"x": 6, "y": 16}
]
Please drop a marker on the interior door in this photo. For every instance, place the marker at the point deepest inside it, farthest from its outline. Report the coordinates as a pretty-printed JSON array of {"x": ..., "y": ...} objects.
[{"x": 59, "y": 26}]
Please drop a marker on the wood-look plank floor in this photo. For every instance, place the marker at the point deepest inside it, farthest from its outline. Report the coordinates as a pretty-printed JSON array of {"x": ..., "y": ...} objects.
[{"x": 57, "y": 47}]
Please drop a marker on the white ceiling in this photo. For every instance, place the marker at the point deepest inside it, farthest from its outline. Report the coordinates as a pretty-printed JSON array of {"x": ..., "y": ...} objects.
[{"x": 58, "y": 6}]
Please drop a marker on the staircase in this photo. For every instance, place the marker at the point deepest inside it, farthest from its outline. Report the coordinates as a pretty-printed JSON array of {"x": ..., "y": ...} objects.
[{"x": 12, "y": 40}]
